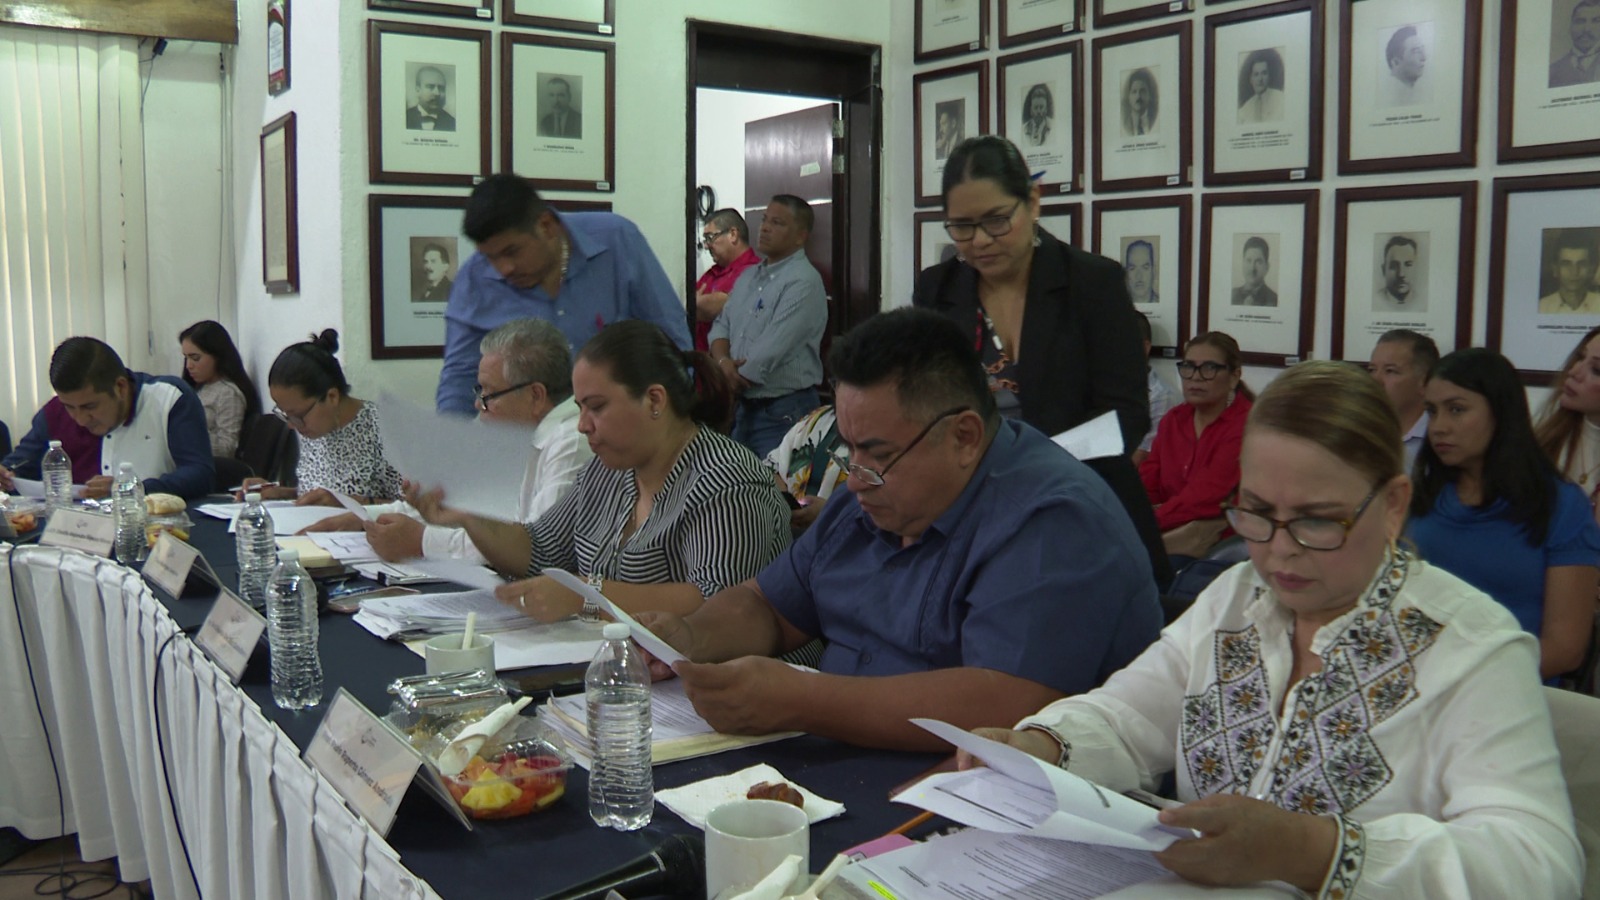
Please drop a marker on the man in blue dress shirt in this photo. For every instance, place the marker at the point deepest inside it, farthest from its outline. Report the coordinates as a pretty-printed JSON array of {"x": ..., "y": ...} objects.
[
  {"x": 974, "y": 571},
  {"x": 579, "y": 271}
]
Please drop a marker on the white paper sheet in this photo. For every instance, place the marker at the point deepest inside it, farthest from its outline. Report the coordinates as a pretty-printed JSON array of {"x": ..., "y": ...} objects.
[
  {"x": 1099, "y": 437},
  {"x": 349, "y": 503},
  {"x": 479, "y": 464},
  {"x": 1023, "y": 795},
  {"x": 287, "y": 519},
  {"x": 642, "y": 636},
  {"x": 455, "y": 571},
  {"x": 348, "y": 547},
  {"x": 388, "y": 616},
  {"x": 976, "y": 863},
  {"x": 27, "y": 487}
]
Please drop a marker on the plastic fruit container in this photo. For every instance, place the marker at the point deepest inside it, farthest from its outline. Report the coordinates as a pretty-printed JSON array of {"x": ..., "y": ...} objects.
[
  {"x": 24, "y": 513},
  {"x": 526, "y": 776}
]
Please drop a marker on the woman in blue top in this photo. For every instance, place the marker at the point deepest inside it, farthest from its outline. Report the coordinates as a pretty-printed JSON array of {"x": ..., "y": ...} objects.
[{"x": 1490, "y": 508}]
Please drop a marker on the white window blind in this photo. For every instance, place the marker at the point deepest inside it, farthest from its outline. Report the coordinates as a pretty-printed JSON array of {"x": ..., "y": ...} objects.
[{"x": 73, "y": 258}]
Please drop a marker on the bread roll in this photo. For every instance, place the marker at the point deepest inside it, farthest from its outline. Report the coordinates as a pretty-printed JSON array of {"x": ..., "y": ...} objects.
[{"x": 163, "y": 504}]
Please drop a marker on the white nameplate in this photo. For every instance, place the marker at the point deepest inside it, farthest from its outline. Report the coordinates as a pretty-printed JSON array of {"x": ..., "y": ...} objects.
[
  {"x": 169, "y": 563},
  {"x": 230, "y": 633},
  {"x": 79, "y": 530},
  {"x": 369, "y": 764}
]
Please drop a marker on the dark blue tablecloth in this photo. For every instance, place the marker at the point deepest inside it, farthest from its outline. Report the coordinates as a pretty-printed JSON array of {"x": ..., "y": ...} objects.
[{"x": 545, "y": 852}]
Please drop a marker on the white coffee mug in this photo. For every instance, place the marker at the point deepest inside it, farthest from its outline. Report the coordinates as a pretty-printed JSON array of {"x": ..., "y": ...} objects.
[
  {"x": 444, "y": 654},
  {"x": 747, "y": 839}
]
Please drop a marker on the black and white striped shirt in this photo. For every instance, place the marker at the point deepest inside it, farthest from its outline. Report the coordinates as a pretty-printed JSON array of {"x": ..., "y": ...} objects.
[{"x": 717, "y": 521}]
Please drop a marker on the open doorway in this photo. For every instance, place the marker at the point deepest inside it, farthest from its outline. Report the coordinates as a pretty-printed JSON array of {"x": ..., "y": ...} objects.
[{"x": 795, "y": 114}]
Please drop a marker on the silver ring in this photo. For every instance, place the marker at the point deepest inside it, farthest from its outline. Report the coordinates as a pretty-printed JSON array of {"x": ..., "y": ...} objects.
[{"x": 522, "y": 601}]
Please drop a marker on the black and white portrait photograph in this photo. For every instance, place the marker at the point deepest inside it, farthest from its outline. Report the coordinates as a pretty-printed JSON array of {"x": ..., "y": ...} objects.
[
  {"x": 1571, "y": 261},
  {"x": 430, "y": 101},
  {"x": 1549, "y": 79},
  {"x": 1149, "y": 236},
  {"x": 433, "y": 268},
  {"x": 1264, "y": 99},
  {"x": 1031, "y": 21},
  {"x": 1543, "y": 287},
  {"x": 1403, "y": 258},
  {"x": 1261, "y": 86},
  {"x": 1409, "y": 94},
  {"x": 950, "y": 27},
  {"x": 1142, "y": 108},
  {"x": 560, "y": 109},
  {"x": 1259, "y": 275},
  {"x": 1041, "y": 95},
  {"x": 948, "y": 106},
  {"x": 427, "y": 103},
  {"x": 556, "y": 111}
]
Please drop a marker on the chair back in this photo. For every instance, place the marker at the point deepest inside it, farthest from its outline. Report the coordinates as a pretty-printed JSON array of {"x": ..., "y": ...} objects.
[
  {"x": 230, "y": 473},
  {"x": 1198, "y": 574},
  {"x": 271, "y": 449},
  {"x": 1576, "y": 719}
]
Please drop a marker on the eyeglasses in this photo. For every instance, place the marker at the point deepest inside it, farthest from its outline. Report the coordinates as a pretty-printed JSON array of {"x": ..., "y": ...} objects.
[
  {"x": 1204, "y": 371},
  {"x": 993, "y": 226},
  {"x": 483, "y": 399},
  {"x": 298, "y": 419},
  {"x": 706, "y": 240},
  {"x": 875, "y": 477},
  {"x": 1310, "y": 532}
]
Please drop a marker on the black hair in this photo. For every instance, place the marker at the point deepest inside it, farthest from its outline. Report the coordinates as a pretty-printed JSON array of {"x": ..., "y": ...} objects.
[
  {"x": 1274, "y": 63},
  {"x": 1144, "y": 325},
  {"x": 1039, "y": 90},
  {"x": 1514, "y": 468},
  {"x": 1576, "y": 238},
  {"x": 1398, "y": 240},
  {"x": 1424, "y": 352},
  {"x": 310, "y": 367},
  {"x": 929, "y": 358},
  {"x": 502, "y": 202},
  {"x": 436, "y": 247},
  {"x": 1256, "y": 240},
  {"x": 987, "y": 156},
  {"x": 213, "y": 340},
  {"x": 728, "y": 218},
  {"x": 803, "y": 216},
  {"x": 1397, "y": 43},
  {"x": 638, "y": 354},
  {"x": 81, "y": 362}
]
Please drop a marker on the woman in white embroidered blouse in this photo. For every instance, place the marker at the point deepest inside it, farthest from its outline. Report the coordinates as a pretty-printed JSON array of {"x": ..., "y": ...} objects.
[{"x": 1338, "y": 714}]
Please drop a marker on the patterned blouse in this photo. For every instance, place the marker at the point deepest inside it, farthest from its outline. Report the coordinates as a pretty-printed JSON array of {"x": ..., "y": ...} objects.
[
  {"x": 718, "y": 520},
  {"x": 1426, "y": 733},
  {"x": 350, "y": 460}
]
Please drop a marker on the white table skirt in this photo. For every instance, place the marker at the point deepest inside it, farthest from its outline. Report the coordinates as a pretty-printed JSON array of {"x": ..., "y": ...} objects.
[{"x": 259, "y": 822}]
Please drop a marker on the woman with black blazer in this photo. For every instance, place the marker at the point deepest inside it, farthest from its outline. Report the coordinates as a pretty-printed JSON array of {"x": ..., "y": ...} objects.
[{"x": 1080, "y": 354}]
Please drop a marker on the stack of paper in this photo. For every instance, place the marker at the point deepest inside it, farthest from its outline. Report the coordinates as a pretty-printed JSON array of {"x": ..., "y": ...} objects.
[
  {"x": 678, "y": 731},
  {"x": 418, "y": 614}
]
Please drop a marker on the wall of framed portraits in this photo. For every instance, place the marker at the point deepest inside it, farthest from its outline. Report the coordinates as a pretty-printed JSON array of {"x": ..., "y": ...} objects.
[{"x": 1304, "y": 175}]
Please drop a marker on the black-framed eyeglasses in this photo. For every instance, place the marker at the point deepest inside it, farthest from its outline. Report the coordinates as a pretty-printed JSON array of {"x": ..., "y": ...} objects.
[
  {"x": 1310, "y": 532},
  {"x": 706, "y": 240},
  {"x": 298, "y": 419},
  {"x": 483, "y": 399},
  {"x": 1204, "y": 371},
  {"x": 875, "y": 477},
  {"x": 993, "y": 226}
]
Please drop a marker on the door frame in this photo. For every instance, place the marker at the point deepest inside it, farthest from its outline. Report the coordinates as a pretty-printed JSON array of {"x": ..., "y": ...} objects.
[{"x": 736, "y": 57}]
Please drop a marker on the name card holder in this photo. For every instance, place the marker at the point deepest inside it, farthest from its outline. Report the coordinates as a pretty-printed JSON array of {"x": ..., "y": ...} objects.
[
  {"x": 171, "y": 562},
  {"x": 370, "y": 765},
  {"x": 230, "y": 633},
  {"x": 77, "y": 529}
]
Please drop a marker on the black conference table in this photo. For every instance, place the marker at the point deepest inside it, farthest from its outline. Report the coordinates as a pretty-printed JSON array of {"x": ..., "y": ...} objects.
[{"x": 548, "y": 851}]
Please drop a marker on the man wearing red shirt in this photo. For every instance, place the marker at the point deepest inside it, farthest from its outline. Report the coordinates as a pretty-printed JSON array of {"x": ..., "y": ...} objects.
[{"x": 727, "y": 239}]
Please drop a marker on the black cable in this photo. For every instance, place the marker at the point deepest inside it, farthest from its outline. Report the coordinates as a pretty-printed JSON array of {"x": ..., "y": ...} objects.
[
  {"x": 161, "y": 752},
  {"x": 38, "y": 705}
]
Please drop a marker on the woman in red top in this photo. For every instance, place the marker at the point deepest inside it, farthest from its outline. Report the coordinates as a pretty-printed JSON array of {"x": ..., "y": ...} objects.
[{"x": 1194, "y": 464}]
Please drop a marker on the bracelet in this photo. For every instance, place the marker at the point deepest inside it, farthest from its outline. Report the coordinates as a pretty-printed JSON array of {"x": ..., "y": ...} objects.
[
  {"x": 597, "y": 582},
  {"x": 1066, "y": 745}
]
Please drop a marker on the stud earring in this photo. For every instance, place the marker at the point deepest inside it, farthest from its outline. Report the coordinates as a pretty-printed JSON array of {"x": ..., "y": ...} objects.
[{"x": 655, "y": 413}]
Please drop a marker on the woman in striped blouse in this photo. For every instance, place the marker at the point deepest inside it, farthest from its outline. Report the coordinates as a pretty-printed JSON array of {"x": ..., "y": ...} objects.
[{"x": 668, "y": 512}]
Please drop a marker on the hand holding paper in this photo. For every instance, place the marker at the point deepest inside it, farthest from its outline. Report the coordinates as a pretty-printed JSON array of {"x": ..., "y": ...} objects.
[{"x": 643, "y": 636}]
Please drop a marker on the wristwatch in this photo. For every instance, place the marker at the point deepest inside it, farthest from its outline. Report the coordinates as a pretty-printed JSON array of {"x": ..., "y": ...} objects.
[
  {"x": 1063, "y": 743},
  {"x": 597, "y": 582}
]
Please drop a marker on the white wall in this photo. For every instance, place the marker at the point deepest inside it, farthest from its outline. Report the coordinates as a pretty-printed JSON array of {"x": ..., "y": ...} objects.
[{"x": 719, "y": 142}]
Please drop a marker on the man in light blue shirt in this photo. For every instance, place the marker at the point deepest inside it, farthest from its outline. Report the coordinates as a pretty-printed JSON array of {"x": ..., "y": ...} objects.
[
  {"x": 578, "y": 271},
  {"x": 1401, "y": 362},
  {"x": 768, "y": 337}
]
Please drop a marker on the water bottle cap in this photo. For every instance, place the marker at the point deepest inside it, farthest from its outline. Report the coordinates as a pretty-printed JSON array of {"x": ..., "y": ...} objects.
[
  {"x": 615, "y": 631},
  {"x": 125, "y": 467},
  {"x": 55, "y": 445},
  {"x": 253, "y": 497},
  {"x": 288, "y": 555}
]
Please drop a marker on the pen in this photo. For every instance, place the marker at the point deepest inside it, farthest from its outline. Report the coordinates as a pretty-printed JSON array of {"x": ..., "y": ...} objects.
[
  {"x": 254, "y": 487},
  {"x": 913, "y": 823}
]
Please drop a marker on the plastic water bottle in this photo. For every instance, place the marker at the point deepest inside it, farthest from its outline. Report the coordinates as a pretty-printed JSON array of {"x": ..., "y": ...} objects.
[
  {"x": 256, "y": 544},
  {"x": 292, "y": 634},
  {"x": 57, "y": 478},
  {"x": 127, "y": 505},
  {"x": 621, "y": 782}
]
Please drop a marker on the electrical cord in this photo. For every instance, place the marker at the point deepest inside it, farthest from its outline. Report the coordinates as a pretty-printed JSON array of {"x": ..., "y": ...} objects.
[{"x": 161, "y": 753}]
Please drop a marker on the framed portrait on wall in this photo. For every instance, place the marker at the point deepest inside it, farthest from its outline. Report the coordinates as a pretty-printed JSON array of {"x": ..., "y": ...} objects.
[
  {"x": 470, "y": 9},
  {"x": 1030, "y": 21},
  {"x": 1142, "y": 111},
  {"x": 1150, "y": 236},
  {"x": 1544, "y": 273},
  {"x": 590, "y": 16},
  {"x": 1549, "y": 79},
  {"x": 946, "y": 28},
  {"x": 280, "y": 212},
  {"x": 427, "y": 104},
  {"x": 557, "y": 117},
  {"x": 415, "y": 251},
  {"x": 1402, "y": 258},
  {"x": 1409, "y": 99},
  {"x": 934, "y": 246},
  {"x": 1041, "y": 103},
  {"x": 1259, "y": 256},
  {"x": 1264, "y": 94},
  {"x": 1064, "y": 221},
  {"x": 277, "y": 46},
  {"x": 1121, "y": 12},
  {"x": 950, "y": 105}
]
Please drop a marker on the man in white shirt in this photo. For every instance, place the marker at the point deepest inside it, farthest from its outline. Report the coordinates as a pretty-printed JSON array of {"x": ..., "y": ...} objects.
[
  {"x": 1400, "y": 267},
  {"x": 1573, "y": 268},
  {"x": 1401, "y": 362},
  {"x": 524, "y": 378}
]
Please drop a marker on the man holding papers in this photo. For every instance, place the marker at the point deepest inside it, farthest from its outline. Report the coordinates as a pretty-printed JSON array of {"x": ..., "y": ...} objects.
[{"x": 973, "y": 568}]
